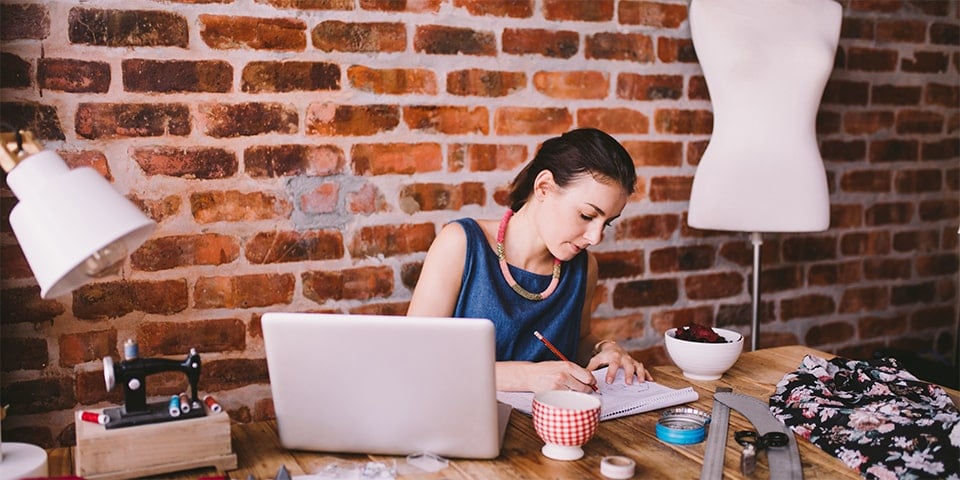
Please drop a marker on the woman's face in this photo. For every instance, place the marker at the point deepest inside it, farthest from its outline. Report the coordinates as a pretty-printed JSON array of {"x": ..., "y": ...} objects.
[{"x": 574, "y": 218}]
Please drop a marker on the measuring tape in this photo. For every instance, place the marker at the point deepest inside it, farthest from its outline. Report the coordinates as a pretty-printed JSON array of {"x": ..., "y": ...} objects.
[{"x": 682, "y": 426}]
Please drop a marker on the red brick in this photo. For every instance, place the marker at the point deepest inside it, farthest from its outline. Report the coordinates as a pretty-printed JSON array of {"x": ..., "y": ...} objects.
[
  {"x": 535, "y": 41},
  {"x": 828, "y": 122},
  {"x": 88, "y": 158},
  {"x": 843, "y": 151},
  {"x": 809, "y": 248},
  {"x": 893, "y": 150},
  {"x": 649, "y": 87},
  {"x": 846, "y": 92},
  {"x": 246, "y": 119},
  {"x": 349, "y": 120},
  {"x": 934, "y": 317},
  {"x": 741, "y": 251},
  {"x": 382, "y": 159},
  {"x": 244, "y": 291},
  {"x": 532, "y": 121},
  {"x": 177, "y": 338},
  {"x": 886, "y": 269},
  {"x": 377, "y": 37},
  {"x": 578, "y": 10},
  {"x": 23, "y": 304},
  {"x": 393, "y": 81},
  {"x": 140, "y": 75},
  {"x": 926, "y": 62},
  {"x": 160, "y": 209},
  {"x": 303, "y": 4},
  {"x": 806, "y": 306},
  {"x": 867, "y": 122},
  {"x": 187, "y": 162},
  {"x": 946, "y": 149},
  {"x": 833, "y": 274},
  {"x": 81, "y": 347},
  {"x": 874, "y": 243},
  {"x": 116, "y": 299},
  {"x": 943, "y": 95},
  {"x": 90, "y": 388},
  {"x": 42, "y": 120},
  {"x": 664, "y": 320},
  {"x": 683, "y": 121},
  {"x": 680, "y": 259},
  {"x": 572, "y": 85},
  {"x": 362, "y": 283},
  {"x": 16, "y": 72},
  {"x": 231, "y": 373},
  {"x": 942, "y": 33},
  {"x": 447, "y": 40},
  {"x": 672, "y": 50},
  {"x": 450, "y": 120},
  {"x": 651, "y": 14},
  {"x": 780, "y": 279},
  {"x": 645, "y": 293},
  {"x": 657, "y": 154},
  {"x": 863, "y": 299},
  {"x": 293, "y": 160},
  {"x": 908, "y": 31},
  {"x": 237, "y": 32},
  {"x": 647, "y": 226},
  {"x": 917, "y": 121},
  {"x": 366, "y": 199},
  {"x": 916, "y": 241},
  {"x": 127, "y": 28},
  {"x": 422, "y": 6},
  {"x": 871, "y": 59},
  {"x": 918, "y": 181},
  {"x": 321, "y": 199},
  {"x": 866, "y": 181},
  {"x": 234, "y": 206},
  {"x": 74, "y": 76},
  {"x": 878, "y": 327},
  {"x": 502, "y": 8},
  {"x": 619, "y": 264},
  {"x": 940, "y": 209},
  {"x": 858, "y": 28},
  {"x": 614, "y": 121},
  {"x": 481, "y": 157},
  {"x": 260, "y": 77},
  {"x": 39, "y": 395},
  {"x": 27, "y": 21},
  {"x": 713, "y": 285},
  {"x": 670, "y": 189},
  {"x": 390, "y": 240},
  {"x": 424, "y": 197},
  {"x": 485, "y": 83},
  {"x": 396, "y": 309},
  {"x": 829, "y": 333},
  {"x": 889, "y": 213},
  {"x": 410, "y": 274},
  {"x": 14, "y": 263},
  {"x": 632, "y": 47},
  {"x": 117, "y": 120},
  {"x": 895, "y": 95},
  {"x": 19, "y": 353},
  {"x": 918, "y": 293},
  {"x": 294, "y": 246},
  {"x": 695, "y": 152},
  {"x": 185, "y": 250}
]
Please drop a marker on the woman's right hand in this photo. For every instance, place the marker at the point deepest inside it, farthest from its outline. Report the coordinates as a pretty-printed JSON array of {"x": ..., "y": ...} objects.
[{"x": 541, "y": 376}]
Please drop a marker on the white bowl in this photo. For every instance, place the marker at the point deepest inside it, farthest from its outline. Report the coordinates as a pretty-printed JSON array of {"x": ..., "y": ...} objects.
[{"x": 701, "y": 360}]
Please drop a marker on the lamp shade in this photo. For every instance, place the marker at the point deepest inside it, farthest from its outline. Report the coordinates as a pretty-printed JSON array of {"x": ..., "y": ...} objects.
[{"x": 71, "y": 224}]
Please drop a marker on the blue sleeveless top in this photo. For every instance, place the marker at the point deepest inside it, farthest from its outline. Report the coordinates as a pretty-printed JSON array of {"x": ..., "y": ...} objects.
[{"x": 484, "y": 293}]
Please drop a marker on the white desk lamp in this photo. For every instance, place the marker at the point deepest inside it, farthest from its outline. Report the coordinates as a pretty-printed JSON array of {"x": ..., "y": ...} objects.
[{"x": 72, "y": 226}]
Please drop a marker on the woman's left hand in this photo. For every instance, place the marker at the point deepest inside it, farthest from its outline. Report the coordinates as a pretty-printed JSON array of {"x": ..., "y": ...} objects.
[{"x": 615, "y": 358}]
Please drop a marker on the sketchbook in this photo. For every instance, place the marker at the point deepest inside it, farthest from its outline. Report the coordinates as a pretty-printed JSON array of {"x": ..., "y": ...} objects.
[{"x": 618, "y": 399}]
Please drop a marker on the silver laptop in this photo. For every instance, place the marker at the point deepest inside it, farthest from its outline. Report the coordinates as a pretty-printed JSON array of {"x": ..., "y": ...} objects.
[{"x": 384, "y": 384}]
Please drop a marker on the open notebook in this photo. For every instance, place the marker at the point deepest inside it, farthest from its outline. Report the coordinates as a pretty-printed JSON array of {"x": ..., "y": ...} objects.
[{"x": 618, "y": 399}]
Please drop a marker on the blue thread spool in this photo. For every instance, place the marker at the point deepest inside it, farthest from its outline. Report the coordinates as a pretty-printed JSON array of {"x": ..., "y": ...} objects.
[{"x": 130, "y": 349}]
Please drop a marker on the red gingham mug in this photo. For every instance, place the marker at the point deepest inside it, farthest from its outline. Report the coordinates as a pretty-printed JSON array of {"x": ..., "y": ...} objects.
[{"x": 565, "y": 420}]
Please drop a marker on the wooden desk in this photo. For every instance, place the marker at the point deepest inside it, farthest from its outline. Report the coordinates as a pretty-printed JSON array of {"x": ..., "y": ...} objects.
[{"x": 756, "y": 373}]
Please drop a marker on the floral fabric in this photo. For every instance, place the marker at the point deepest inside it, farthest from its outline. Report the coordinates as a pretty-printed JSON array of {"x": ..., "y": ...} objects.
[{"x": 874, "y": 416}]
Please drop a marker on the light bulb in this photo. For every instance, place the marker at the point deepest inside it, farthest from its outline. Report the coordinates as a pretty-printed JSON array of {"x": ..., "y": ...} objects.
[{"x": 105, "y": 261}]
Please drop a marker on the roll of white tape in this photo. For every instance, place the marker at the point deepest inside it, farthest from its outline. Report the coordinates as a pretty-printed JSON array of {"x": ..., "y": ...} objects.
[{"x": 617, "y": 467}]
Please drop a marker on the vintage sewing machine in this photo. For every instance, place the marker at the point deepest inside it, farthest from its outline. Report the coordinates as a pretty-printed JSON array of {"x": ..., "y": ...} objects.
[
  {"x": 132, "y": 373},
  {"x": 143, "y": 438}
]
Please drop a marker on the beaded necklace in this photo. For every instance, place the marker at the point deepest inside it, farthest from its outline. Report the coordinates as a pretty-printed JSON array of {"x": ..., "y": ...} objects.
[{"x": 501, "y": 232}]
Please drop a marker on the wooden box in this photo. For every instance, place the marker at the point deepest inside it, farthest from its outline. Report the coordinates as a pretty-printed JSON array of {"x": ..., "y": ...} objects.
[{"x": 153, "y": 449}]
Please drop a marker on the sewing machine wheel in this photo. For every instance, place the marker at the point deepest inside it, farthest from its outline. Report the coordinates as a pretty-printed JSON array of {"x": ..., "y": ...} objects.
[{"x": 108, "y": 374}]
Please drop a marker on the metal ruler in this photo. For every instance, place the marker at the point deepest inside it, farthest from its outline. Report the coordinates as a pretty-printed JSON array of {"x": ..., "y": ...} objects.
[{"x": 716, "y": 439}]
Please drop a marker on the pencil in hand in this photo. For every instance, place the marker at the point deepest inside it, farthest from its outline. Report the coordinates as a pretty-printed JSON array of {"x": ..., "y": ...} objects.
[{"x": 558, "y": 353}]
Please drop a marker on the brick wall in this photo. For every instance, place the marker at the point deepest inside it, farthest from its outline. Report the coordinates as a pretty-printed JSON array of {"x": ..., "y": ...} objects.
[{"x": 301, "y": 156}]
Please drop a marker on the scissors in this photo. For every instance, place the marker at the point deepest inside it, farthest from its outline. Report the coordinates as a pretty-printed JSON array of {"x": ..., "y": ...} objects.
[{"x": 753, "y": 443}]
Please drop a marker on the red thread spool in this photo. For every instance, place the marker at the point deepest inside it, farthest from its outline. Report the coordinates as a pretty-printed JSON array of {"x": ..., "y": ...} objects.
[
  {"x": 212, "y": 404},
  {"x": 94, "y": 417}
]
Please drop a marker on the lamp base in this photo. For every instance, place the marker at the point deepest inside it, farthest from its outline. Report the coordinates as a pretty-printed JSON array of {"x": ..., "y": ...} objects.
[{"x": 22, "y": 460}]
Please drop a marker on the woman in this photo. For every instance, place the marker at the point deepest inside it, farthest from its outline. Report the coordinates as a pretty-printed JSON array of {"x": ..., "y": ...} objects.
[{"x": 530, "y": 271}]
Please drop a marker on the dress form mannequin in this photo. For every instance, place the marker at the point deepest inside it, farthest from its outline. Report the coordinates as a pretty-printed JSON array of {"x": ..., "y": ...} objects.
[{"x": 766, "y": 63}]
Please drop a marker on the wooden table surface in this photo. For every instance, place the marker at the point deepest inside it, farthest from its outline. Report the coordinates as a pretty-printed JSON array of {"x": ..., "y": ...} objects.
[{"x": 756, "y": 373}]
